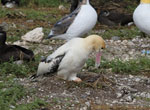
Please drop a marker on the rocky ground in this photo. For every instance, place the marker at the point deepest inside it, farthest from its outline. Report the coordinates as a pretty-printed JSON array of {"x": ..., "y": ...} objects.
[{"x": 98, "y": 91}]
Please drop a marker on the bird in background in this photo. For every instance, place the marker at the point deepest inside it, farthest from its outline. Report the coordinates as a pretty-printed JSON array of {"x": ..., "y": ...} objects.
[
  {"x": 13, "y": 52},
  {"x": 141, "y": 16},
  {"x": 69, "y": 59},
  {"x": 76, "y": 24}
]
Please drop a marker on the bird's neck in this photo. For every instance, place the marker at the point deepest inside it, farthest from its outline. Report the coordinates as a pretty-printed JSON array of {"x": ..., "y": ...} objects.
[{"x": 145, "y": 1}]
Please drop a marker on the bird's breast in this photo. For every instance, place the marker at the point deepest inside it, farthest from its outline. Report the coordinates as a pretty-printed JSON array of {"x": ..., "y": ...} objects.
[
  {"x": 141, "y": 17},
  {"x": 84, "y": 21}
]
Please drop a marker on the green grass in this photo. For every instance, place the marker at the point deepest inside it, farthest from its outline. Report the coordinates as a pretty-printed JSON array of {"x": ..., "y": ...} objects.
[
  {"x": 18, "y": 70},
  {"x": 11, "y": 91},
  {"x": 123, "y": 33},
  {"x": 45, "y": 3},
  {"x": 134, "y": 66}
]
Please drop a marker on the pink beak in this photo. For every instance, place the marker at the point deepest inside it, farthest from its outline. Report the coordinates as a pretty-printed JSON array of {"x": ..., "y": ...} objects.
[{"x": 98, "y": 59}]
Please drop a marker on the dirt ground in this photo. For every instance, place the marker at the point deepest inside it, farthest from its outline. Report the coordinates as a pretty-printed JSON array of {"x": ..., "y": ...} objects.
[{"x": 98, "y": 91}]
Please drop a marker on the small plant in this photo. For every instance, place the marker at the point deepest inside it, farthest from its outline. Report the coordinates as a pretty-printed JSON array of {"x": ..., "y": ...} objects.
[
  {"x": 47, "y": 3},
  {"x": 134, "y": 66},
  {"x": 125, "y": 33}
]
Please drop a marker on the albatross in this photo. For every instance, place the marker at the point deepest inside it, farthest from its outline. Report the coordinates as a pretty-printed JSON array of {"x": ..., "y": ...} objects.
[
  {"x": 141, "y": 16},
  {"x": 7, "y": 52},
  {"x": 76, "y": 24},
  {"x": 69, "y": 59}
]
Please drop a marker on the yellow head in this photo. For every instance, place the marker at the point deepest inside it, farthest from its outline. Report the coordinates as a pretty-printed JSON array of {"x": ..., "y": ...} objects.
[
  {"x": 95, "y": 42},
  {"x": 145, "y": 1}
]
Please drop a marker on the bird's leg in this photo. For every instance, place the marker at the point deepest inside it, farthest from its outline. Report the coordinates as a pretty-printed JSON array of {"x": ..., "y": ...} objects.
[{"x": 73, "y": 77}]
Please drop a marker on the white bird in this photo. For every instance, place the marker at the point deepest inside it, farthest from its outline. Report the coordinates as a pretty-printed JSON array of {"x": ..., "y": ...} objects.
[
  {"x": 76, "y": 24},
  {"x": 141, "y": 16},
  {"x": 69, "y": 59}
]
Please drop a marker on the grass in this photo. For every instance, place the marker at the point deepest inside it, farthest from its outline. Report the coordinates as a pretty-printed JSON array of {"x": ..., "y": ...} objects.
[
  {"x": 123, "y": 33},
  {"x": 11, "y": 91},
  {"x": 44, "y": 3},
  {"x": 134, "y": 66}
]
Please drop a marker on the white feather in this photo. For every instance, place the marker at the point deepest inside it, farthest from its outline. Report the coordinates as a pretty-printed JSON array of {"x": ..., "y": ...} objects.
[
  {"x": 141, "y": 17},
  {"x": 76, "y": 52},
  {"x": 82, "y": 24}
]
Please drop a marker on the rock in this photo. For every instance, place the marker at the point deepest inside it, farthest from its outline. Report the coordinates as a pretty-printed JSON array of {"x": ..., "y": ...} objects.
[
  {"x": 61, "y": 7},
  {"x": 35, "y": 35},
  {"x": 4, "y": 26},
  {"x": 29, "y": 21},
  {"x": 115, "y": 38},
  {"x": 88, "y": 104},
  {"x": 129, "y": 98},
  {"x": 119, "y": 95},
  {"x": 84, "y": 108},
  {"x": 19, "y": 62},
  {"x": 21, "y": 43}
]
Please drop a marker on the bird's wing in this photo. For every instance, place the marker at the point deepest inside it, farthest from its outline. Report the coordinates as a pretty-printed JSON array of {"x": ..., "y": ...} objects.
[
  {"x": 54, "y": 64},
  {"x": 13, "y": 53},
  {"x": 62, "y": 25},
  {"x": 60, "y": 51},
  {"x": 25, "y": 51},
  {"x": 48, "y": 68}
]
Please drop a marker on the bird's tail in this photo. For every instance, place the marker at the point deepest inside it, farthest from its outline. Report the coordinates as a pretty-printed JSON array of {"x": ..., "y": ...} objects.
[{"x": 33, "y": 76}]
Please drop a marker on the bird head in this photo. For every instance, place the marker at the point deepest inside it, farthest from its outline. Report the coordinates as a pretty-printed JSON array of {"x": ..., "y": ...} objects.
[
  {"x": 95, "y": 43},
  {"x": 145, "y": 1}
]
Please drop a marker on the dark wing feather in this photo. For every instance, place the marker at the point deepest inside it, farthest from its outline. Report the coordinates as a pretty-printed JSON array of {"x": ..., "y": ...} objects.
[
  {"x": 54, "y": 67},
  {"x": 61, "y": 26},
  {"x": 15, "y": 52},
  {"x": 26, "y": 52}
]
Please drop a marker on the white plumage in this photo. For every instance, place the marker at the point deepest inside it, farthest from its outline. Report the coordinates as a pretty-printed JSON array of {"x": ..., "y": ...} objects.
[
  {"x": 76, "y": 24},
  {"x": 141, "y": 16},
  {"x": 69, "y": 59}
]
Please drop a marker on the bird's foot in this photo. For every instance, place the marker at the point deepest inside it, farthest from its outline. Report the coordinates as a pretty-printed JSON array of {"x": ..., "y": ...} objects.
[{"x": 78, "y": 80}]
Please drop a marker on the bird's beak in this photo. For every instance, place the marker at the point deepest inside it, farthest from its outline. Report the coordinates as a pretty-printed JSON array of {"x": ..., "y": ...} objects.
[
  {"x": 49, "y": 36},
  {"x": 98, "y": 59}
]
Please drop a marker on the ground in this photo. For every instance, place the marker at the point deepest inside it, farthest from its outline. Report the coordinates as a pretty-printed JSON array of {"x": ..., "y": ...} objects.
[{"x": 120, "y": 83}]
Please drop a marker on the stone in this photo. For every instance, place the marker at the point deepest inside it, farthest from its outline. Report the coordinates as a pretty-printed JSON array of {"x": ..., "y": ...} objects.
[
  {"x": 35, "y": 35},
  {"x": 119, "y": 95},
  {"x": 88, "y": 104},
  {"x": 129, "y": 98},
  {"x": 29, "y": 21},
  {"x": 4, "y": 26},
  {"x": 61, "y": 7},
  {"x": 115, "y": 38}
]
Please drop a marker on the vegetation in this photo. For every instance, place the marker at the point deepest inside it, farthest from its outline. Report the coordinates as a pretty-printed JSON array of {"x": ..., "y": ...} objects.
[
  {"x": 117, "y": 66},
  {"x": 46, "y": 12}
]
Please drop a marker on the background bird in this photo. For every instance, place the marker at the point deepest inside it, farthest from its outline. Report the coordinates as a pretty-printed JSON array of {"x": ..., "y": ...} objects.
[
  {"x": 13, "y": 52},
  {"x": 10, "y": 3},
  {"x": 69, "y": 59},
  {"x": 114, "y": 17},
  {"x": 76, "y": 24},
  {"x": 141, "y": 16}
]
